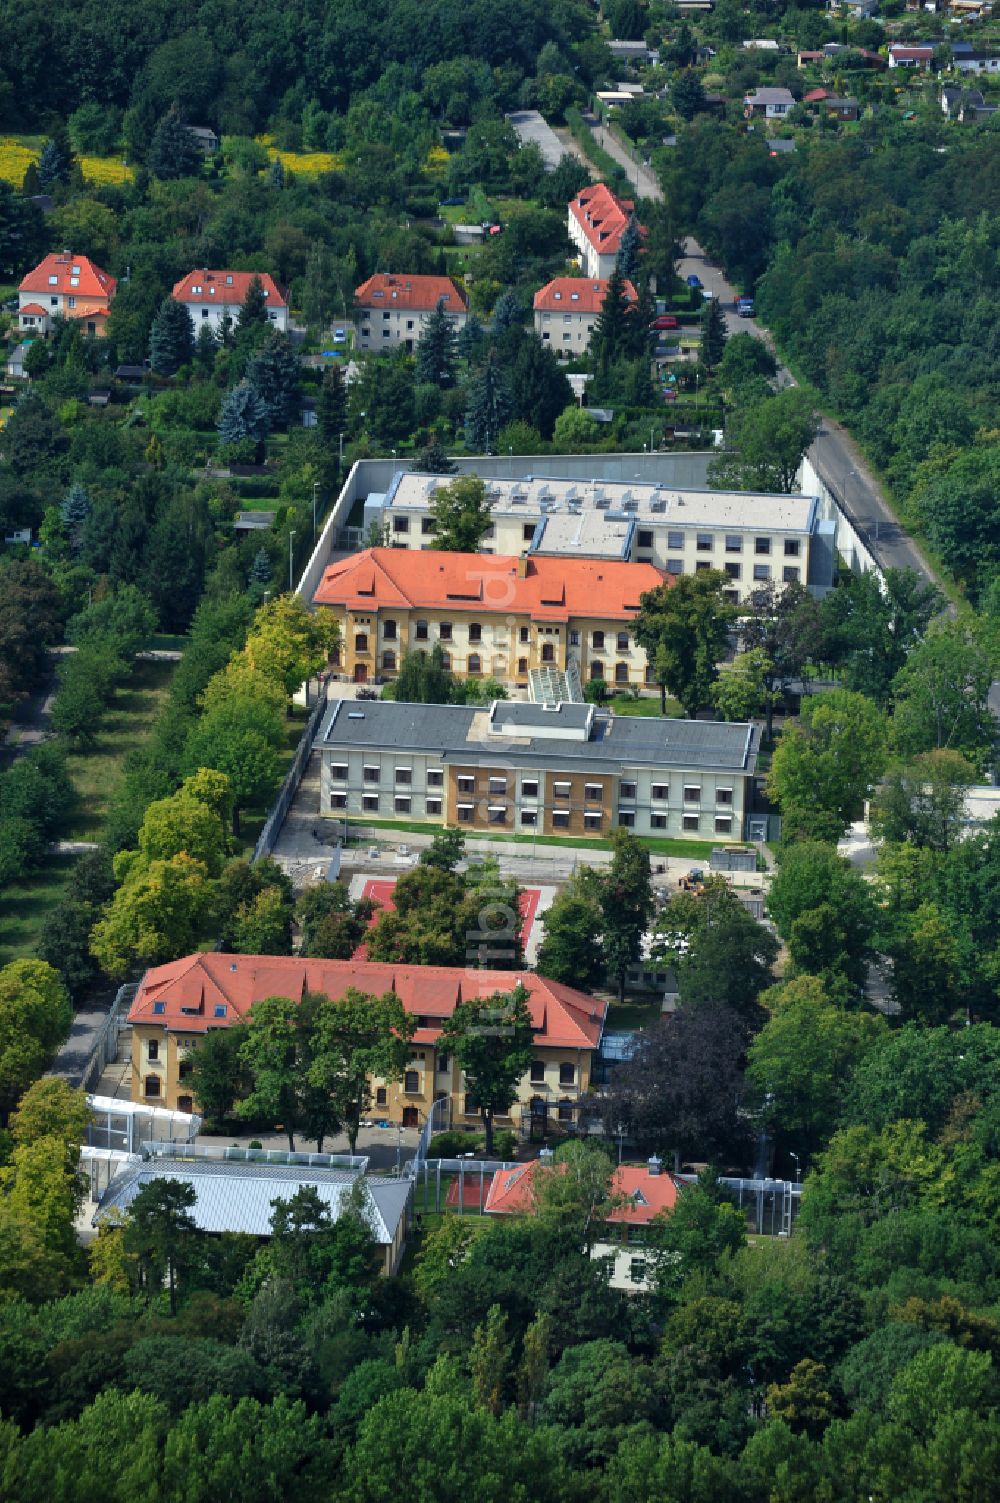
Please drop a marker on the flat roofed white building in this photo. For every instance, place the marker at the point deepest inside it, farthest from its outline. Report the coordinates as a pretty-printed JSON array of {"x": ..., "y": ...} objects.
[{"x": 753, "y": 538}]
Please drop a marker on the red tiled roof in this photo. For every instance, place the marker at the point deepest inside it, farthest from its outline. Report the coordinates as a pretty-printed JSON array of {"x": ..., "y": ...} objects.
[
  {"x": 212, "y": 990},
  {"x": 918, "y": 53},
  {"x": 602, "y": 216},
  {"x": 552, "y": 589},
  {"x": 418, "y": 294},
  {"x": 227, "y": 288},
  {"x": 33, "y": 308},
  {"x": 815, "y": 95},
  {"x": 76, "y": 276},
  {"x": 512, "y": 1192},
  {"x": 576, "y": 295}
]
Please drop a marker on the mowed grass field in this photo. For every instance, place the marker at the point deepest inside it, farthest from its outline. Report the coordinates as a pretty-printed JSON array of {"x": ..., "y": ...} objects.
[{"x": 126, "y": 726}]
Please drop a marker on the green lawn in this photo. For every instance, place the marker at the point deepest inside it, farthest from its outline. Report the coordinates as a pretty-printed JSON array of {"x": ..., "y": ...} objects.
[
  {"x": 625, "y": 1017},
  {"x": 623, "y": 704},
  {"x": 127, "y": 725},
  {"x": 657, "y": 845},
  {"x": 25, "y": 906}
]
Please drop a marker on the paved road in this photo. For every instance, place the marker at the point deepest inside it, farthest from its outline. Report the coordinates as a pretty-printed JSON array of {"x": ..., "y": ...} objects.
[
  {"x": 836, "y": 456},
  {"x": 645, "y": 181}
]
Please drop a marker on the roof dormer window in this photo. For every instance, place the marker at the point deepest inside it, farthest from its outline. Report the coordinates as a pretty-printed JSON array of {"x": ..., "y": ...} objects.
[
  {"x": 74, "y": 281},
  {"x": 75, "y": 271},
  {"x": 229, "y": 281},
  {"x": 574, "y": 297},
  {"x": 196, "y": 288},
  {"x": 53, "y": 281},
  {"x": 557, "y": 296}
]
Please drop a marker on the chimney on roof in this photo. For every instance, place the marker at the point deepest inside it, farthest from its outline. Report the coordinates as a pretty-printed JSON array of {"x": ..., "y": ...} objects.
[
  {"x": 522, "y": 567},
  {"x": 654, "y": 1165}
]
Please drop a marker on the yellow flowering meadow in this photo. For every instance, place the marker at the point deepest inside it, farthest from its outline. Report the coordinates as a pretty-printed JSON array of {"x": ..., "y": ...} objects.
[
  {"x": 308, "y": 163},
  {"x": 102, "y": 171},
  {"x": 15, "y": 159}
]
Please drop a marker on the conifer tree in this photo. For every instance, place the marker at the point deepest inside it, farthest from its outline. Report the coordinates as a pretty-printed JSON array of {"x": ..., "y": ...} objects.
[
  {"x": 173, "y": 151},
  {"x": 331, "y": 408},
  {"x": 74, "y": 511},
  {"x": 245, "y": 415},
  {"x": 261, "y": 570},
  {"x": 273, "y": 371},
  {"x": 53, "y": 165},
  {"x": 276, "y": 175},
  {"x": 612, "y": 330},
  {"x": 490, "y": 406},
  {"x": 713, "y": 334},
  {"x": 436, "y": 350},
  {"x": 506, "y": 313},
  {"x": 470, "y": 337},
  {"x": 254, "y": 309},
  {"x": 171, "y": 339},
  {"x": 628, "y": 249}
]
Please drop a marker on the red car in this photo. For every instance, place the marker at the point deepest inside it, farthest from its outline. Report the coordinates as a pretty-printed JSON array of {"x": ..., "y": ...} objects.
[{"x": 665, "y": 321}]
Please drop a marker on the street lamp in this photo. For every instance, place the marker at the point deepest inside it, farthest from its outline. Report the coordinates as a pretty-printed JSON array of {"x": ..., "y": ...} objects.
[
  {"x": 290, "y": 563},
  {"x": 620, "y": 1132},
  {"x": 795, "y": 1156},
  {"x": 315, "y": 489}
]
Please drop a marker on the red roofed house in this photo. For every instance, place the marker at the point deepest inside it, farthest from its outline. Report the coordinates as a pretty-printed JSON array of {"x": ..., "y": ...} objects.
[
  {"x": 491, "y": 613},
  {"x": 642, "y": 1191},
  {"x": 212, "y": 297},
  {"x": 392, "y": 310},
  {"x": 177, "y": 1004},
  {"x": 901, "y": 56},
  {"x": 597, "y": 221},
  {"x": 566, "y": 311},
  {"x": 67, "y": 285}
]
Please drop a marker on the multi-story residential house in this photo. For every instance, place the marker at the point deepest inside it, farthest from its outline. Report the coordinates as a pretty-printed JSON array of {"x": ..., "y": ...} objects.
[
  {"x": 566, "y": 310},
  {"x": 597, "y": 220},
  {"x": 392, "y": 310},
  {"x": 754, "y": 538},
  {"x": 67, "y": 286},
  {"x": 542, "y": 769},
  {"x": 216, "y": 297},
  {"x": 640, "y": 1193},
  {"x": 493, "y": 616},
  {"x": 177, "y": 1004}
]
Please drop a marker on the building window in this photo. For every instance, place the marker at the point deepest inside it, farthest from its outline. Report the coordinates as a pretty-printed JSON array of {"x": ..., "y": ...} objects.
[
  {"x": 592, "y": 820},
  {"x": 370, "y": 774},
  {"x": 561, "y": 789},
  {"x": 361, "y": 642},
  {"x": 465, "y": 812},
  {"x": 723, "y": 824},
  {"x": 153, "y": 1049},
  {"x": 411, "y": 1082},
  {"x": 645, "y": 540},
  {"x": 637, "y": 1270},
  {"x": 338, "y": 772},
  {"x": 675, "y": 540},
  {"x": 529, "y": 787},
  {"x": 596, "y": 669},
  {"x": 466, "y": 784},
  {"x": 401, "y": 524},
  {"x": 723, "y": 795},
  {"x": 527, "y": 531},
  {"x": 574, "y": 639},
  {"x": 626, "y": 789},
  {"x": 548, "y": 653},
  {"x": 597, "y": 640},
  {"x": 691, "y": 821},
  {"x": 522, "y": 665},
  {"x": 675, "y": 566},
  {"x": 791, "y": 547},
  {"x": 370, "y": 803},
  {"x": 404, "y": 775},
  {"x": 426, "y": 526},
  {"x": 152, "y": 1085},
  {"x": 442, "y": 1063},
  {"x": 560, "y": 819},
  {"x": 762, "y": 546},
  {"x": 523, "y": 634},
  {"x": 433, "y": 806},
  {"x": 389, "y": 630},
  {"x": 623, "y": 641},
  {"x": 402, "y": 803},
  {"x": 626, "y": 818},
  {"x": 421, "y": 631},
  {"x": 446, "y": 660},
  {"x": 471, "y": 1106},
  {"x": 621, "y": 673},
  {"x": 338, "y": 800},
  {"x": 537, "y": 1072},
  {"x": 565, "y": 1111},
  {"x": 762, "y": 571},
  {"x": 658, "y": 821},
  {"x": 734, "y": 571},
  {"x": 389, "y": 661},
  {"x": 475, "y": 632},
  {"x": 702, "y": 566},
  {"x": 475, "y": 663},
  {"x": 705, "y": 542},
  {"x": 184, "y": 1068},
  {"x": 734, "y": 543},
  {"x": 445, "y": 631},
  {"x": 529, "y": 817},
  {"x": 790, "y": 574},
  {"x": 567, "y": 1075},
  {"x": 498, "y": 784},
  {"x": 594, "y": 792},
  {"x": 381, "y": 1095},
  {"x": 435, "y": 777},
  {"x": 497, "y": 814},
  {"x": 692, "y": 793},
  {"x": 660, "y": 790}
]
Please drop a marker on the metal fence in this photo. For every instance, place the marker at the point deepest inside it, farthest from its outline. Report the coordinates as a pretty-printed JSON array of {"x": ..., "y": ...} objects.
[
  {"x": 268, "y": 836},
  {"x": 105, "y": 1048}
]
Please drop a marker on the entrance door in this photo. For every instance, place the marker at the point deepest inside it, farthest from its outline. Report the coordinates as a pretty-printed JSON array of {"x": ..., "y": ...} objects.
[
  {"x": 410, "y": 1116},
  {"x": 361, "y": 673}
]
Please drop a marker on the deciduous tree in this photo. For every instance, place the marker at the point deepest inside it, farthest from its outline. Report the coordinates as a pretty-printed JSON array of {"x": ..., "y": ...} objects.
[
  {"x": 684, "y": 629},
  {"x": 492, "y": 1039}
]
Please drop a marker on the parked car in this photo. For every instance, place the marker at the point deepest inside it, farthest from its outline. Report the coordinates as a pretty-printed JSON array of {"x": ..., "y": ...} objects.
[
  {"x": 665, "y": 321},
  {"x": 694, "y": 281},
  {"x": 744, "y": 307}
]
